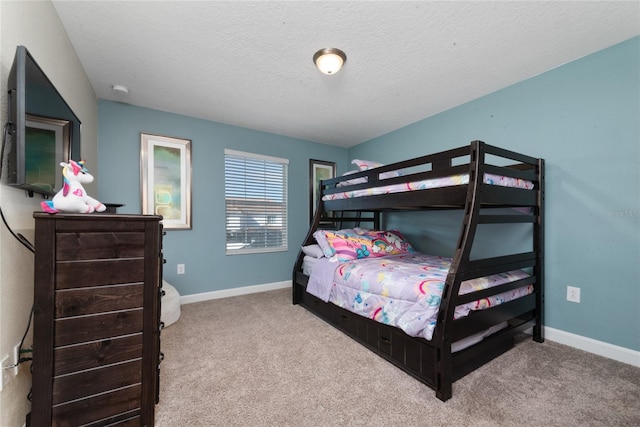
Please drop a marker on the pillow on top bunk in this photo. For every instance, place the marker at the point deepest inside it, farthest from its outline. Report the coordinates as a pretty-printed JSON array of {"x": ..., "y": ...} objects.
[
  {"x": 364, "y": 165},
  {"x": 351, "y": 181},
  {"x": 347, "y": 246}
]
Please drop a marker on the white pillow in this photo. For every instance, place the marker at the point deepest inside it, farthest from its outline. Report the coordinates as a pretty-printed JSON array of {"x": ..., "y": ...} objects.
[
  {"x": 364, "y": 165},
  {"x": 313, "y": 251},
  {"x": 351, "y": 181}
]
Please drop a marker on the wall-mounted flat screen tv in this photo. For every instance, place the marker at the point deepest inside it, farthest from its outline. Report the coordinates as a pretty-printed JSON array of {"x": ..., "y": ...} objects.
[{"x": 44, "y": 129}]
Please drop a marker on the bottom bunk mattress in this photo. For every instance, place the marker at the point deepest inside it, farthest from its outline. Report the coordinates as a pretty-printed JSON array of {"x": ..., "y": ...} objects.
[{"x": 402, "y": 290}]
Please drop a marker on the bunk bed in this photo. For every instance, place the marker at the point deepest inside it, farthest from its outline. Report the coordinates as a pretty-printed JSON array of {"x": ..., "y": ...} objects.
[{"x": 490, "y": 185}]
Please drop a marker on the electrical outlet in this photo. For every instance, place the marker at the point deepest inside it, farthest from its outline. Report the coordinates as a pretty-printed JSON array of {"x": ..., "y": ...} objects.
[
  {"x": 16, "y": 359},
  {"x": 573, "y": 294},
  {"x": 180, "y": 268},
  {"x": 5, "y": 377}
]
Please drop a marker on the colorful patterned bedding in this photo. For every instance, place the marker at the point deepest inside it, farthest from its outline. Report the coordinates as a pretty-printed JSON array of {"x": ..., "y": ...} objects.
[
  {"x": 447, "y": 181},
  {"x": 402, "y": 290}
]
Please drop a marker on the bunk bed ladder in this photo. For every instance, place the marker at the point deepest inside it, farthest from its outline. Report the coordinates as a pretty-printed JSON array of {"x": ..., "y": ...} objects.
[
  {"x": 462, "y": 268},
  {"x": 443, "y": 332}
]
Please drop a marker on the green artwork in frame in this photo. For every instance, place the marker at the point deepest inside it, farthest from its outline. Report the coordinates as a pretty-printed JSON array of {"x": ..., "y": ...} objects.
[{"x": 165, "y": 165}]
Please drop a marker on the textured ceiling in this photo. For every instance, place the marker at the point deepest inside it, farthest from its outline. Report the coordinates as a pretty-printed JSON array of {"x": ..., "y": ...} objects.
[{"x": 250, "y": 63}]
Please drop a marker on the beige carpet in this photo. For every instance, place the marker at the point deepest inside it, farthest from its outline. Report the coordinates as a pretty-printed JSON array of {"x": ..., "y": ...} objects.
[{"x": 258, "y": 360}]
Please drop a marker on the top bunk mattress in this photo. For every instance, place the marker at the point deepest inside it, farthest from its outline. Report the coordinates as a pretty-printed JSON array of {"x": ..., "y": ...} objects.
[{"x": 447, "y": 181}]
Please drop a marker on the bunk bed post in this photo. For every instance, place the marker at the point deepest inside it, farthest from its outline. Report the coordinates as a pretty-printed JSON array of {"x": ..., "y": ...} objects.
[
  {"x": 376, "y": 220},
  {"x": 538, "y": 247}
]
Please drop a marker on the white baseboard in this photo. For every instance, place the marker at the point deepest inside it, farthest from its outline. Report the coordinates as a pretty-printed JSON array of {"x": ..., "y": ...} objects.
[
  {"x": 601, "y": 348},
  {"x": 234, "y": 292}
]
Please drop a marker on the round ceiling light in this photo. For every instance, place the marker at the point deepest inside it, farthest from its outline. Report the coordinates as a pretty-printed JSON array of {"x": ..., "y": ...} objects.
[
  {"x": 120, "y": 89},
  {"x": 329, "y": 60}
]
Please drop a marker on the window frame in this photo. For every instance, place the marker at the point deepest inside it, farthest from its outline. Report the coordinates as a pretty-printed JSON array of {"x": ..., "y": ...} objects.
[{"x": 284, "y": 228}]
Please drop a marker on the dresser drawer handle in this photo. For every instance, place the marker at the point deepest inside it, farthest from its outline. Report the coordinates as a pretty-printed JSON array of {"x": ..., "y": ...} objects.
[
  {"x": 385, "y": 340},
  {"x": 161, "y": 326}
]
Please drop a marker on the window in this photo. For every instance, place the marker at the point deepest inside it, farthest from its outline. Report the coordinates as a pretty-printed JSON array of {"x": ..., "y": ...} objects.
[{"x": 255, "y": 194}]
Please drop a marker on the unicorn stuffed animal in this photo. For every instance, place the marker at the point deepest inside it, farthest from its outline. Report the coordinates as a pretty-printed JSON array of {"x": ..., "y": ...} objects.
[{"x": 73, "y": 198}]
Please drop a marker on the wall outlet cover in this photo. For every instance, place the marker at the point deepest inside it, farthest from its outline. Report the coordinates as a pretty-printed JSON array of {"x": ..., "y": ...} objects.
[
  {"x": 573, "y": 294},
  {"x": 16, "y": 359},
  {"x": 3, "y": 372}
]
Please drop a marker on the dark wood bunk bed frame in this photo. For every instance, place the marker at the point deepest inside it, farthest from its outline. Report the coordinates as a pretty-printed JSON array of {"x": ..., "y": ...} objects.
[{"x": 432, "y": 362}]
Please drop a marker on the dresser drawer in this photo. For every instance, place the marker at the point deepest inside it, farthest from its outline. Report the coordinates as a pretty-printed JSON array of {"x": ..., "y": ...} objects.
[
  {"x": 73, "y": 330},
  {"x": 96, "y": 273},
  {"x": 87, "y": 246},
  {"x": 83, "y": 301},
  {"x": 127, "y": 422},
  {"x": 95, "y": 354},
  {"x": 94, "y": 381},
  {"x": 96, "y": 408}
]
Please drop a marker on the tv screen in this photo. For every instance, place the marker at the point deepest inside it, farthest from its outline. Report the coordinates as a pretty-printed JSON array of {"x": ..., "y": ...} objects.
[{"x": 44, "y": 130}]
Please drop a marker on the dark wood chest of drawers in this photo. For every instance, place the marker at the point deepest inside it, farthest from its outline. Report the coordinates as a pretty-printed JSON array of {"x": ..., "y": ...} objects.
[{"x": 96, "y": 338}]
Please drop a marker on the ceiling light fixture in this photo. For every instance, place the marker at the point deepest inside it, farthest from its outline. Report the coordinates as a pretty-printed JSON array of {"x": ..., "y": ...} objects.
[
  {"x": 120, "y": 89},
  {"x": 329, "y": 60}
]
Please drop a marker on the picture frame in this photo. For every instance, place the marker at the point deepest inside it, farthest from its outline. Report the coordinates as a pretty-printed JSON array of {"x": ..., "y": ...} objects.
[
  {"x": 165, "y": 171},
  {"x": 318, "y": 170}
]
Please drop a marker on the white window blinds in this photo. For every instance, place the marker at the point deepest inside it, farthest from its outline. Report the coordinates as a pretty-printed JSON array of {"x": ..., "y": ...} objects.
[{"x": 255, "y": 192}]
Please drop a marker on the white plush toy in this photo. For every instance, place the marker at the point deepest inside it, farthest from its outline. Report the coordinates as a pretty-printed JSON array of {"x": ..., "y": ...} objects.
[{"x": 73, "y": 198}]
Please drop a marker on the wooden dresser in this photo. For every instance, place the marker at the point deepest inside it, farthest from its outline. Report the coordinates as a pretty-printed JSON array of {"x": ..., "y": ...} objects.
[{"x": 96, "y": 336}]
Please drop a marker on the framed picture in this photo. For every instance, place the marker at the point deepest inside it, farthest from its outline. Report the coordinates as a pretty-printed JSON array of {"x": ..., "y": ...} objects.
[
  {"x": 165, "y": 169},
  {"x": 318, "y": 171}
]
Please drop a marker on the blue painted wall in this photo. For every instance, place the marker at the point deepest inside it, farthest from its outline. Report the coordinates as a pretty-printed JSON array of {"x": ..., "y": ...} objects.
[
  {"x": 584, "y": 119},
  {"x": 202, "y": 249}
]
